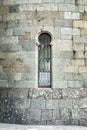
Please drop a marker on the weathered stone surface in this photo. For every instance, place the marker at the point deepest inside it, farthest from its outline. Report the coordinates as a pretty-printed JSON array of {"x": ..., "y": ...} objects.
[
  {"x": 21, "y": 101},
  {"x": 70, "y": 15},
  {"x": 37, "y": 104},
  {"x": 63, "y": 23},
  {"x": 71, "y": 93},
  {"x": 66, "y": 7},
  {"x": 13, "y": 24},
  {"x": 81, "y": 24},
  {"x": 4, "y": 9},
  {"x": 46, "y": 114},
  {"x": 51, "y": 104}
]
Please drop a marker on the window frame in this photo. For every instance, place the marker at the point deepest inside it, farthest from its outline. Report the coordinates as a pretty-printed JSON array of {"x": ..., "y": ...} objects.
[{"x": 45, "y": 86}]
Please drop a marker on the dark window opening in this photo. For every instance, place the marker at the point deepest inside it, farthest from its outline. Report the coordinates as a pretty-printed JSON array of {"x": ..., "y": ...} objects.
[{"x": 44, "y": 60}]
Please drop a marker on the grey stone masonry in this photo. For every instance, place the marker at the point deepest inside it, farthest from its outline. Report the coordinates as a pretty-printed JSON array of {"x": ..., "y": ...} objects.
[{"x": 21, "y": 99}]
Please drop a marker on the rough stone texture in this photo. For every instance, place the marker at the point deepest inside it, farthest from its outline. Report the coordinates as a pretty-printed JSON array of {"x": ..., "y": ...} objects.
[
  {"x": 34, "y": 127},
  {"x": 21, "y": 101}
]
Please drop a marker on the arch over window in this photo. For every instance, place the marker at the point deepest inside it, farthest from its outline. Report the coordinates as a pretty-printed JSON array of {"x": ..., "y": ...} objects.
[
  {"x": 44, "y": 60},
  {"x": 44, "y": 39}
]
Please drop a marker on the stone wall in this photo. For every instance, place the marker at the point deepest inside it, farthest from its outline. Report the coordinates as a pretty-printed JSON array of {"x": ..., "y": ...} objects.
[{"x": 22, "y": 101}]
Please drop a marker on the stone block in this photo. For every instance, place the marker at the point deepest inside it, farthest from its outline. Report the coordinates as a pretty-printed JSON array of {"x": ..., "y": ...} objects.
[
  {"x": 13, "y": 24},
  {"x": 70, "y": 1},
  {"x": 57, "y": 33},
  {"x": 59, "y": 1},
  {"x": 15, "y": 2},
  {"x": 73, "y": 76},
  {"x": 8, "y": 32},
  {"x": 14, "y": 9},
  {"x": 17, "y": 93},
  {"x": 1, "y": 3},
  {"x": 65, "y": 115},
  {"x": 75, "y": 114},
  {"x": 22, "y": 103},
  {"x": 80, "y": 24},
  {"x": 28, "y": 76},
  {"x": 17, "y": 76},
  {"x": 49, "y": 1},
  {"x": 67, "y": 7},
  {"x": 1, "y": 69},
  {"x": 82, "y": 69},
  {"x": 2, "y": 55},
  {"x": 75, "y": 84},
  {"x": 4, "y": 10},
  {"x": 4, "y": 83},
  {"x": 55, "y": 122},
  {"x": 9, "y": 47},
  {"x": 71, "y": 69},
  {"x": 76, "y": 15},
  {"x": 37, "y": 104},
  {"x": 66, "y": 37},
  {"x": 79, "y": 113},
  {"x": 75, "y": 31},
  {"x": 22, "y": 84},
  {"x": 3, "y": 25},
  {"x": 81, "y": 8},
  {"x": 27, "y": 45},
  {"x": 78, "y": 47},
  {"x": 66, "y": 46},
  {"x": 78, "y": 62},
  {"x": 63, "y": 23},
  {"x": 86, "y": 8},
  {"x": 84, "y": 2},
  {"x": 35, "y": 1},
  {"x": 25, "y": 23},
  {"x": 51, "y": 104},
  {"x": 81, "y": 40},
  {"x": 56, "y": 114},
  {"x": 65, "y": 103},
  {"x": 71, "y": 93},
  {"x": 27, "y": 36},
  {"x": 78, "y": 84},
  {"x": 44, "y": 7},
  {"x": 66, "y": 54},
  {"x": 70, "y": 84},
  {"x": 0, "y": 18},
  {"x": 67, "y": 31},
  {"x": 35, "y": 114},
  {"x": 18, "y": 32},
  {"x": 79, "y": 54},
  {"x": 84, "y": 91},
  {"x": 14, "y": 16},
  {"x": 47, "y": 115},
  {"x": 67, "y": 15},
  {"x": 61, "y": 62},
  {"x": 84, "y": 16},
  {"x": 70, "y": 31},
  {"x": 70, "y": 15},
  {"x": 59, "y": 84},
  {"x": 83, "y": 103},
  {"x": 84, "y": 32},
  {"x": 9, "y": 39},
  {"x": 83, "y": 122},
  {"x": 44, "y": 22}
]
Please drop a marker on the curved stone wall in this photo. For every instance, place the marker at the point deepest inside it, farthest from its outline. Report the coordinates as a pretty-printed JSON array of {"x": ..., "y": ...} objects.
[{"x": 21, "y": 101}]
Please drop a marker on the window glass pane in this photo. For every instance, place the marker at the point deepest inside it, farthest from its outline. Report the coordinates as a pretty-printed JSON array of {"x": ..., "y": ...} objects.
[
  {"x": 44, "y": 65},
  {"x": 44, "y": 79}
]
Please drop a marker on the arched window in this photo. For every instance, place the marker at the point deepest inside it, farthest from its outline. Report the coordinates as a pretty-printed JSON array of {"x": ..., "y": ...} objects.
[{"x": 44, "y": 60}]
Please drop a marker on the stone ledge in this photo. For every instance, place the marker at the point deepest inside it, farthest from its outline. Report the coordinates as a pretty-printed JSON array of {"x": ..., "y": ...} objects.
[{"x": 22, "y": 127}]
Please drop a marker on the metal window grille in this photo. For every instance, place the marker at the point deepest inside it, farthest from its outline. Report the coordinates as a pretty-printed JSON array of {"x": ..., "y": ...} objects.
[{"x": 44, "y": 61}]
